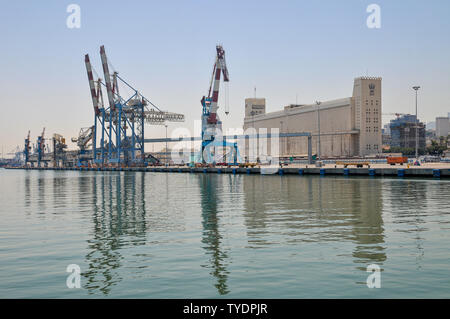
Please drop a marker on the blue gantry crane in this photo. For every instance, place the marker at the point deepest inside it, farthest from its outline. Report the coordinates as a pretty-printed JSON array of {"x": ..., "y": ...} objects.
[{"x": 120, "y": 125}]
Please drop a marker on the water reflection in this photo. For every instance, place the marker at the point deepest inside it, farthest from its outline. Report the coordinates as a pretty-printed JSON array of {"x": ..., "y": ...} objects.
[
  {"x": 314, "y": 209},
  {"x": 410, "y": 218},
  {"x": 182, "y": 235},
  {"x": 212, "y": 239},
  {"x": 118, "y": 221}
]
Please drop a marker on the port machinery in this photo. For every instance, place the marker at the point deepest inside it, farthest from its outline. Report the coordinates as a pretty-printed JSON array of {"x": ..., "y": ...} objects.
[
  {"x": 120, "y": 125},
  {"x": 212, "y": 137}
]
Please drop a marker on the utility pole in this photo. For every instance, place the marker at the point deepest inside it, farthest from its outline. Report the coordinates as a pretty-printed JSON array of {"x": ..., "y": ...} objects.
[
  {"x": 282, "y": 144},
  {"x": 167, "y": 150},
  {"x": 416, "y": 88},
  {"x": 318, "y": 127}
]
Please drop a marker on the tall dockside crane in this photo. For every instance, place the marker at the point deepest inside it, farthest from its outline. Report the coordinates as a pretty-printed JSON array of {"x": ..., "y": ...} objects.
[
  {"x": 40, "y": 144},
  {"x": 27, "y": 149},
  {"x": 211, "y": 124},
  {"x": 122, "y": 123},
  {"x": 84, "y": 137},
  {"x": 59, "y": 147}
]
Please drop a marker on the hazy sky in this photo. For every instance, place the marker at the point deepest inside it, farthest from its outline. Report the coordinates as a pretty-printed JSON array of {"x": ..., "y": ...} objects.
[{"x": 166, "y": 49}]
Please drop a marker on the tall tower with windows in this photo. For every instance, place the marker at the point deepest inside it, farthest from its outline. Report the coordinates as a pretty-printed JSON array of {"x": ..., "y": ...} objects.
[{"x": 367, "y": 114}]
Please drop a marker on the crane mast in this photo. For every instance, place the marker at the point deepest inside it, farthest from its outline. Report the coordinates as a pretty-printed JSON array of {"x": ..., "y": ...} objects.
[
  {"x": 40, "y": 147},
  {"x": 219, "y": 67},
  {"x": 211, "y": 124},
  {"x": 27, "y": 148}
]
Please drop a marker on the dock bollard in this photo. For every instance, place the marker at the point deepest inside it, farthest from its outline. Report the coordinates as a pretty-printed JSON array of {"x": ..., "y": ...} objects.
[
  {"x": 436, "y": 173},
  {"x": 401, "y": 172}
]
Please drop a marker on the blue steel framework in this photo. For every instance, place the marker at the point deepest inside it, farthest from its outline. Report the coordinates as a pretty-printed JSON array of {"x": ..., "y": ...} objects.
[
  {"x": 121, "y": 124},
  {"x": 236, "y": 137}
]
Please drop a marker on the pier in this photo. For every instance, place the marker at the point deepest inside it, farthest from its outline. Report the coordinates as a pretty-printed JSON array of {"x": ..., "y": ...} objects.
[{"x": 375, "y": 170}]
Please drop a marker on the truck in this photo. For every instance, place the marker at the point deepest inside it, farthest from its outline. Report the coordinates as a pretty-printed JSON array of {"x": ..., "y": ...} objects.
[{"x": 393, "y": 160}]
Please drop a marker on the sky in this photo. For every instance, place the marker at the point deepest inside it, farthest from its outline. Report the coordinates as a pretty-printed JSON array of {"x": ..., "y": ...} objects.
[{"x": 291, "y": 51}]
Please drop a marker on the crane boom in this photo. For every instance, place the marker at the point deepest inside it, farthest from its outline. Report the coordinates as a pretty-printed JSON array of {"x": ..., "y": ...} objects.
[
  {"x": 107, "y": 78},
  {"x": 42, "y": 139},
  {"x": 91, "y": 84},
  {"x": 160, "y": 117},
  {"x": 219, "y": 67}
]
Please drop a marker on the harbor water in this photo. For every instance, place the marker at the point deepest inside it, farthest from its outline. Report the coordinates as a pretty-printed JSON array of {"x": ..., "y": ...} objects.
[{"x": 175, "y": 235}]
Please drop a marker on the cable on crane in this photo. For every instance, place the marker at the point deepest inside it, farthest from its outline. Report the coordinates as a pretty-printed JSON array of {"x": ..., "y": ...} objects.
[{"x": 227, "y": 106}]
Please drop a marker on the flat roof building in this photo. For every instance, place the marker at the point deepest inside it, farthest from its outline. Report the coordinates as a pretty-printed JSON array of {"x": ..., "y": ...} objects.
[{"x": 348, "y": 127}]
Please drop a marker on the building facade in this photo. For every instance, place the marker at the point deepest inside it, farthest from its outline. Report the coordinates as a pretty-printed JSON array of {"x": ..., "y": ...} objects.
[
  {"x": 348, "y": 127},
  {"x": 403, "y": 132},
  {"x": 442, "y": 126}
]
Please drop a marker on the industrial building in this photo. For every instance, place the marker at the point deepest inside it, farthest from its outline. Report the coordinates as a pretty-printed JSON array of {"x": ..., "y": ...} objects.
[
  {"x": 348, "y": 126},
  {"x": 403, "y": 132}
]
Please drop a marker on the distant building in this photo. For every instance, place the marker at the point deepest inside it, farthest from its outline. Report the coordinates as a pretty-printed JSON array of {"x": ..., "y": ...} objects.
[
  {"x": 403, "y": 132},
  {"x": 254, "y": 107},
  {"x": 442, "y": 126},
  {"x": 348, "y": 127}
]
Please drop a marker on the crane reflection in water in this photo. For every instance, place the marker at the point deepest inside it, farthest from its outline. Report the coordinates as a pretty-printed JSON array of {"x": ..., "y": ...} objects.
[
  {"x": 118, "y": 221},
  {"x": 212, "y": 238}
]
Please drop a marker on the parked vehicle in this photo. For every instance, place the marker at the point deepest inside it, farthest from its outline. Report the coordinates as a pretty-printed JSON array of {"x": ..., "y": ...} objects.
[{"x": 393, "y": 160}]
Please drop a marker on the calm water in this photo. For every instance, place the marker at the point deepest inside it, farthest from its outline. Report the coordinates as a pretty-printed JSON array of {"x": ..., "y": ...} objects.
[{"x": 169, "y": 235}]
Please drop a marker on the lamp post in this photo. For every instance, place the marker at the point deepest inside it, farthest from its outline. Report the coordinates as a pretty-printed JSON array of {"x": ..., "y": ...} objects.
[
  {"x": 416, "y": 88},
  {"x": 282, "y": 143},
  {"x": 318, "y": 128},
  {"x": 167, "y": 150},
  {"x": 252, "y": 113}
]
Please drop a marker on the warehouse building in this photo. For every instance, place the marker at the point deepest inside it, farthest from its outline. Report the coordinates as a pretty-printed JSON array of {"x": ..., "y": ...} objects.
[{"x": 348, "y": 127}]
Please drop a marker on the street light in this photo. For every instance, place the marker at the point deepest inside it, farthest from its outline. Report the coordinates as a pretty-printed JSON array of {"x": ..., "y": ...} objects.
[
  {"x": 318, "y": 128},
  {"x": 282, "y": 143},
  {"x": 416, "y": 88},
  {"x": 167, "y": 150}
]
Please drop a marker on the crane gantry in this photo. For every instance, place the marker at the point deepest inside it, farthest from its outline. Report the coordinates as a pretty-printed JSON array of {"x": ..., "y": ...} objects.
[{"x": 120, "y": 125}]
